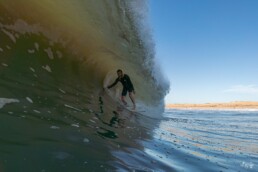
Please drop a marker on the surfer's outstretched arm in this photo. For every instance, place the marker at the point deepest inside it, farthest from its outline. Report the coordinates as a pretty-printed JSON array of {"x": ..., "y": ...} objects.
[{"x": 112, "y": 85}]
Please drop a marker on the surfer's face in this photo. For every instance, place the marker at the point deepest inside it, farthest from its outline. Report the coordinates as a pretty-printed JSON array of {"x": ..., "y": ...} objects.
[{"x": 120, "y": 74}]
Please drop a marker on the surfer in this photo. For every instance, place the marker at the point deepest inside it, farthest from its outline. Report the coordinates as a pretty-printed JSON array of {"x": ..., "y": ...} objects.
[{"x": 127, "y": 87}]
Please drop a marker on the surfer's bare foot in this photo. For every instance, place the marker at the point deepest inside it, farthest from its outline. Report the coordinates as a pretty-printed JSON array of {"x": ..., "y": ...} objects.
[{"x": 134, "y": 107}]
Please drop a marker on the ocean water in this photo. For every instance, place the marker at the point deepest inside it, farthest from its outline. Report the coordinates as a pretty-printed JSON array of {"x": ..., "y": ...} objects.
[
  {"x": 79, "y": 140},
  {"x": 207, "y": 140},
  {"x": 55, "y": 59}
]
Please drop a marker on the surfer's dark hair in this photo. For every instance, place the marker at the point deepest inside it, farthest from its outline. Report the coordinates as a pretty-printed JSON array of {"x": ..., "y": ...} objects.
[{"x": 119, "y": 70}]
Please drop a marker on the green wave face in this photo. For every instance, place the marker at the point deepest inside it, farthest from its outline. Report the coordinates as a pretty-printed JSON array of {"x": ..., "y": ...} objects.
[{"x": 54, "y": 59}]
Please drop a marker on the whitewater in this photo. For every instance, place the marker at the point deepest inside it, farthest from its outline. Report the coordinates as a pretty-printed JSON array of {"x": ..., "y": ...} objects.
[{"x": 55, "y": 59}]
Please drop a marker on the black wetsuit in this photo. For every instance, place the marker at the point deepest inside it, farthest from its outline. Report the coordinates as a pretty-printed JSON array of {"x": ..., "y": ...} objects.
[{"x": 126, "y": 82}]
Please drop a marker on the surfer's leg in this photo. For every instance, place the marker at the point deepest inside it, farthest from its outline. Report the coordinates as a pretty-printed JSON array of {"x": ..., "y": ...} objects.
[
  {"x": 123, "y": 100},
  {"x": 131, "y": 95}
]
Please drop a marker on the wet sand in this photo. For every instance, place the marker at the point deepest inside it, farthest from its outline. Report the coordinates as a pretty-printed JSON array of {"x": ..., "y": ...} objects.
[{"x": 231, "y": 105}]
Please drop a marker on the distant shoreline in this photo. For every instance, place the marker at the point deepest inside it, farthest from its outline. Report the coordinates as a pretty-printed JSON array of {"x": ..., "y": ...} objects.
[{"x": 214, "y": 106}]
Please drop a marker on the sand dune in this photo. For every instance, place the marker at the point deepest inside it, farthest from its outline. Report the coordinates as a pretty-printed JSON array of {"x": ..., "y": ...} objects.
[{"x": 231, "y": 105}]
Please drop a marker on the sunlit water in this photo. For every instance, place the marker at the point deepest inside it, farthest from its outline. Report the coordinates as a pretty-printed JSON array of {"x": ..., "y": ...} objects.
[{"x": 192, "y": 140}]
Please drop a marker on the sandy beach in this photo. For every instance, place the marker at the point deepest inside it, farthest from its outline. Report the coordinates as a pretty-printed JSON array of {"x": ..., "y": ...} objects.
[{"x": 230, "y": 105}]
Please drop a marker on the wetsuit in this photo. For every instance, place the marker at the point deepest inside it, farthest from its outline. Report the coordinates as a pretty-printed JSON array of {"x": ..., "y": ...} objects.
[{"x": 126, "y": 82}]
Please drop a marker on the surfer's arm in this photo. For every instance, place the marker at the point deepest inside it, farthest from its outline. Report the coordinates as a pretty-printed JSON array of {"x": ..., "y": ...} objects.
[{"x": 112, "y": 85}]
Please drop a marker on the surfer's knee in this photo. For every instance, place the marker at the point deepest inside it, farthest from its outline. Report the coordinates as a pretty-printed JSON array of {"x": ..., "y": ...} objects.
[
  {"x": 123, "y": 98},
  {"x": 131, "y": 94}
]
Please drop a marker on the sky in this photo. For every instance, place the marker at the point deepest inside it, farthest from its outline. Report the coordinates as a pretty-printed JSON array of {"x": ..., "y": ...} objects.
[{"x": 208, "y": 49}]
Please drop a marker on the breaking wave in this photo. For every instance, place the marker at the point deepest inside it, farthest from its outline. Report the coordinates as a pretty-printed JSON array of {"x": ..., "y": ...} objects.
[{"x": 55, "y": 59}]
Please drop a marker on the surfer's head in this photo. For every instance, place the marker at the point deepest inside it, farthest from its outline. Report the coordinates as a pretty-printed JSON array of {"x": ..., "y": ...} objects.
[{"x": 119, "y": 73}]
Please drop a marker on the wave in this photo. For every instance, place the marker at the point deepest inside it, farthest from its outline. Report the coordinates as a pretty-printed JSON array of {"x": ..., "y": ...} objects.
[
  {"x": 55, "y": 57},
  {"x": 83, "y": 41}
]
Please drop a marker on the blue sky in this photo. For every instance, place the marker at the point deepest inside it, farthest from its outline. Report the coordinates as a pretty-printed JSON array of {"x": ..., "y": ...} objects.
[{"x": 208, "y": 49}]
